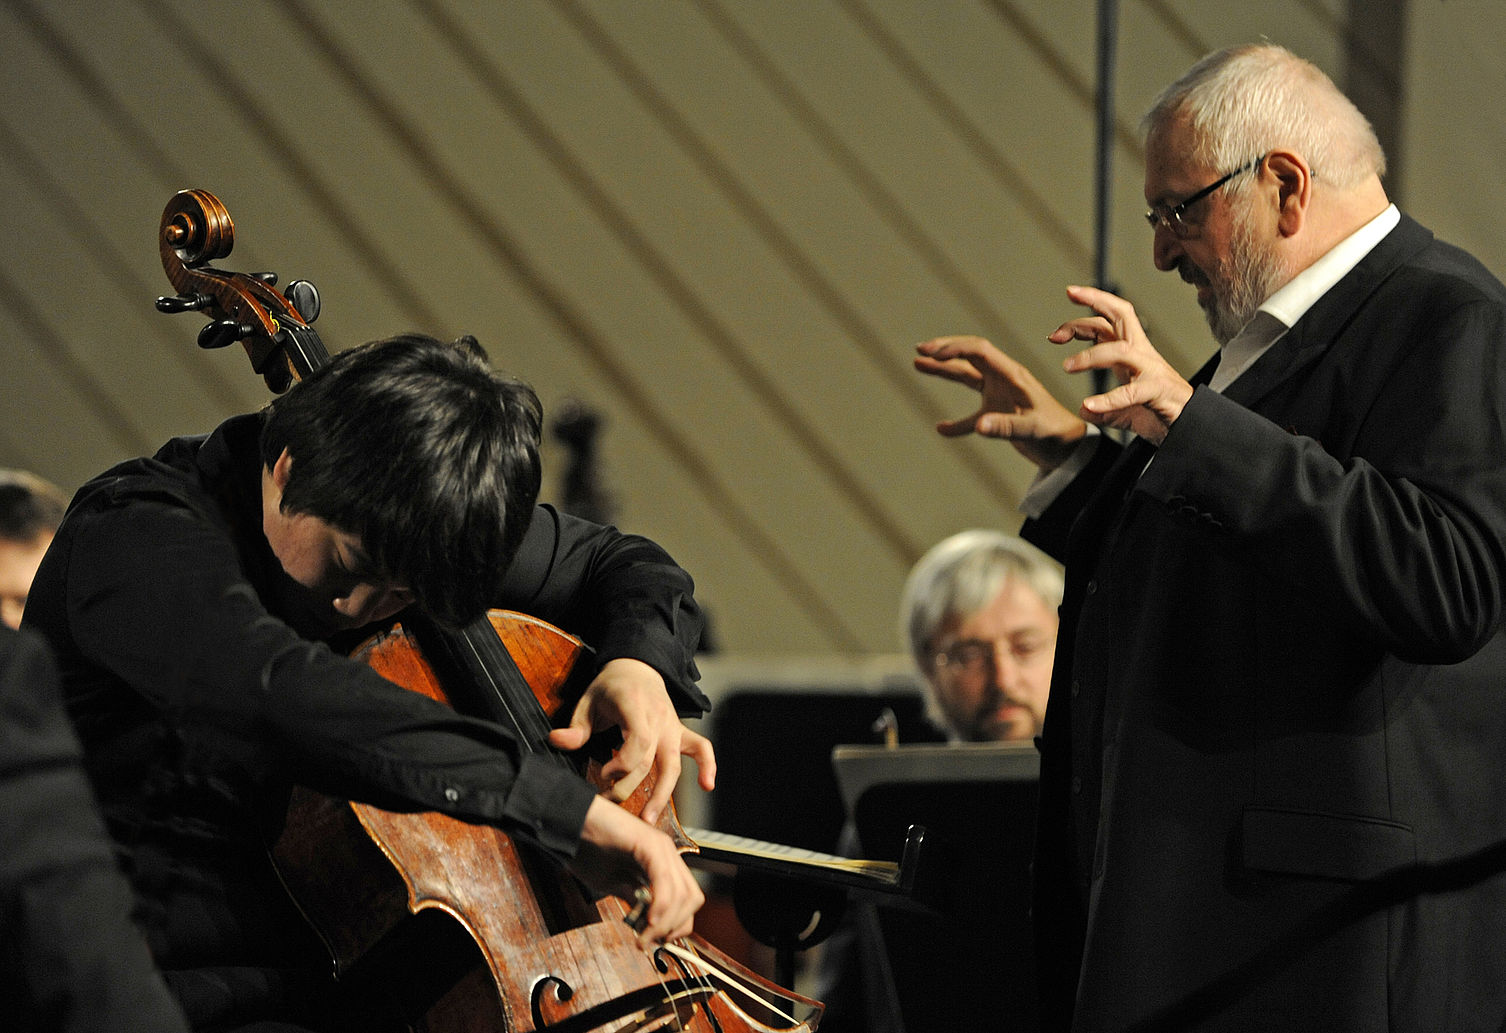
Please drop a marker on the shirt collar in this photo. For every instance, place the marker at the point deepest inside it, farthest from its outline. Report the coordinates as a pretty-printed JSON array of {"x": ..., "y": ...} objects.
[
  {"x": 1292, "y": 301},
  {"x": 1281, "y": 310}
]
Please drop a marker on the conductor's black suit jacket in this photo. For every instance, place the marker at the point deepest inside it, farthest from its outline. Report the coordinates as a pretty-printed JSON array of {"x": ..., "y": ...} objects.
[{"x": 1274, "y": 760}]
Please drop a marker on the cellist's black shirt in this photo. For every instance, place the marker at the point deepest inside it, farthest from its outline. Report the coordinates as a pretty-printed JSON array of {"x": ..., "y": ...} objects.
[{"x": 199, "y": 705}]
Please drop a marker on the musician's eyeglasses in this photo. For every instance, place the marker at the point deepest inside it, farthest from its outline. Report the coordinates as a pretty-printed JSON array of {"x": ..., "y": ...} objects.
[
  {"x": 975, "y": 656},
  {"x": 1173, "y": 216}
]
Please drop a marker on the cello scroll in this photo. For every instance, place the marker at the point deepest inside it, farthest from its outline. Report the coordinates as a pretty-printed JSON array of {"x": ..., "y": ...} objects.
[{"x": 273, "y": 326}]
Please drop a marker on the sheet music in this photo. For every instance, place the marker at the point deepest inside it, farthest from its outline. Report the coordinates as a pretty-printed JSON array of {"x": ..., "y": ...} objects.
[{"x": 742, "y": 845}]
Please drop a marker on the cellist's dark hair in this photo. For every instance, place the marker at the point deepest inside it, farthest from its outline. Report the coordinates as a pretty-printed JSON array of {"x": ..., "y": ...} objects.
[{"x": 425, "y": 453}]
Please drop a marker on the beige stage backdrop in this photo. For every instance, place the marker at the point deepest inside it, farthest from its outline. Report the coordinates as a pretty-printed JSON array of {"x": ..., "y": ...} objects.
[{"x": 721, "y": 223}]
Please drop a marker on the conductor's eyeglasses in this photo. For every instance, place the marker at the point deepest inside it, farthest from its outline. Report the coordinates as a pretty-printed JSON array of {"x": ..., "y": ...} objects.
[{"x": 1172, "y": 216}]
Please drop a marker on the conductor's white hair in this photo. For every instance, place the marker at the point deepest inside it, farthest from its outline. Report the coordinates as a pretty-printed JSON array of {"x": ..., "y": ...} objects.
[{"x": 1244, "y": 102}]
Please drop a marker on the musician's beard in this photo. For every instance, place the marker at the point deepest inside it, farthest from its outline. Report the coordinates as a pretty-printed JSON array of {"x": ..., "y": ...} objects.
[{"x": 1005, "y": 721}]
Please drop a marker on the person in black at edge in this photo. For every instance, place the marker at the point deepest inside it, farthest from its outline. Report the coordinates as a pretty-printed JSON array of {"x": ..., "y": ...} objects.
[
  {"x": 70, "y": 959},
  {"x": 30, "y": 511},
  {"x": 200, "y": 602}
]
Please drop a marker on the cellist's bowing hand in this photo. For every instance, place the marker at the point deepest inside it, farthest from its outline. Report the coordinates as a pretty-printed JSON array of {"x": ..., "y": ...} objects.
[
  {"x": 1013, "y": 404},
  {"x": 1151, "y": 394},
  {"x": 620, "y": 853},
  {"x": 630, "y": 695}
]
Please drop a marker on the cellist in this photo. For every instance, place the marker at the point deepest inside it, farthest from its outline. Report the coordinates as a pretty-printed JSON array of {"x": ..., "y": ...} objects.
[{"x": 201, "y": 603}]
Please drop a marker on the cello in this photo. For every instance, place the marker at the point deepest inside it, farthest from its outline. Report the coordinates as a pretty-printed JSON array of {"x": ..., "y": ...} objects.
[{"x": 508, "y": 940}]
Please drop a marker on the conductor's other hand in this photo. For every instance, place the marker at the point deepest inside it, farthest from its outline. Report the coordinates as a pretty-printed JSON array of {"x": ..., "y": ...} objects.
[{"x": 1013, "y": 404}]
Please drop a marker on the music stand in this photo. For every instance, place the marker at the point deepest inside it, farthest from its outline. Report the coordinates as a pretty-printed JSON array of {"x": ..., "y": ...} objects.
[{"x": 964, "y": 958}]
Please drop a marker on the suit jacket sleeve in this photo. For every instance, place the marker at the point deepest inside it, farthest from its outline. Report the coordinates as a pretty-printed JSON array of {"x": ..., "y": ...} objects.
[
  {"x": 148, "y": 588},
  {"x": 1405, "y": 539}
]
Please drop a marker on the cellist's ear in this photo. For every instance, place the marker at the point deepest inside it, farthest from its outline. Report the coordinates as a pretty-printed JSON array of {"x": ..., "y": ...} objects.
[{"x": 281, "y": 470}]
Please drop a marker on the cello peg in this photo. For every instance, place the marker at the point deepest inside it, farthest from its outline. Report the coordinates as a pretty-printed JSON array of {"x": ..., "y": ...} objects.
[
  {"x": 270, "y": 279},
  {"x": 221, "y": 333},
  {"x": 304, "y": 297},
  {"x": 183, "y": 303}
]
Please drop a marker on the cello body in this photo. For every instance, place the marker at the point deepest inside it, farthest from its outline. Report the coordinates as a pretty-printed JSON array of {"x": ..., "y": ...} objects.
[{"x": 510, "y": 941}]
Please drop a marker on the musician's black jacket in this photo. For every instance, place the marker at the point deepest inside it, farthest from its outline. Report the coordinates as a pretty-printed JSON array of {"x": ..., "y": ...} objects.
[{"x": 70, "y": 959}]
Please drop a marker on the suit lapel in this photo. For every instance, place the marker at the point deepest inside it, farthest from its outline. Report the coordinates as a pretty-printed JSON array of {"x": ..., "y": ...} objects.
[{"x": 1317, "y": 330}]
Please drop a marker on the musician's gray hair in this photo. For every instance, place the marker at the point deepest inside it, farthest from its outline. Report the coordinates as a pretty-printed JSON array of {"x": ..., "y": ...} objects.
[{"x": 962, "y": 574}]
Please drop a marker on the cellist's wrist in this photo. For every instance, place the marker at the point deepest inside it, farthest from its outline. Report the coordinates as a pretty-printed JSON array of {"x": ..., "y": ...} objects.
[
  {"x": 548, "y": 804},
  {"x": 637, "y": 672}
]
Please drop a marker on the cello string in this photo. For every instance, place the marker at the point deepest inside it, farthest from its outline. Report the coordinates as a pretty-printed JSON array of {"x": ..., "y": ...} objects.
[
  {"x": 669, "y": 995},
  {"x": 489, "y": 656},
  {"x": 695, "y": 960},
  {"x": 496, "y": 665},
  {"x": 700, "y": 979},
  {"x": 688, "y": 978},
  {"x": 634, "y": 918}
]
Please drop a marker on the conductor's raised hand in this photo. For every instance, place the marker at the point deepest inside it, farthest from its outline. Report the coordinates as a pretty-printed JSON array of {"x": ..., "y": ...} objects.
[
  {"x": 1013, "y": 404},
  {"x": 1150, "y": 395}
]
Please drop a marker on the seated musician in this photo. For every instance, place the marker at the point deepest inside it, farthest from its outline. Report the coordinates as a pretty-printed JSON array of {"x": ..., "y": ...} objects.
[
  {"x": 30, "y": 509},
  {"x": 71, "y": 960},
  {"x": 201, "y": 603},
  {"x": 978, "y": 614}
]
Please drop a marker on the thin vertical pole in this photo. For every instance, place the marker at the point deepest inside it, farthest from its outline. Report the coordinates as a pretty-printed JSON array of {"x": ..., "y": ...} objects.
[{"x": 1103, "y": 184}]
